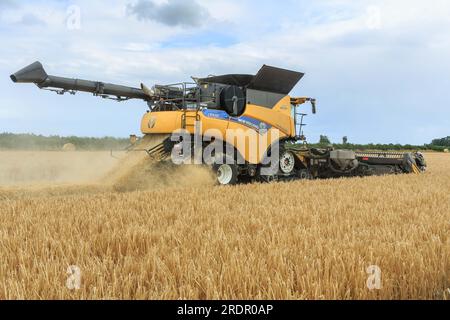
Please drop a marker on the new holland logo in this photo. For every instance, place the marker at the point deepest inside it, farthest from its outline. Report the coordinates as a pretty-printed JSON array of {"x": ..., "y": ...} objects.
[
  {"x": 152, "y": 122},
  {"x": 262, "y": 127}
]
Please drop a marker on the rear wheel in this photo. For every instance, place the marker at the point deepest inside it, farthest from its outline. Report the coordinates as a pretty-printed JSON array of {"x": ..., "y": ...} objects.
[{"x": 287, "y": 162}]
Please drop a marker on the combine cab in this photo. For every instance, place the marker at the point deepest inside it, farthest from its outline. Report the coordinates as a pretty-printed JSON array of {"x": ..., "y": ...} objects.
[{"x": 246, "y": 127}]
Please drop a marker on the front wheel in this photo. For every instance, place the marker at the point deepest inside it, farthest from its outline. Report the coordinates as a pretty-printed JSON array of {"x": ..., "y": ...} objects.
[{"x": 227, "y": 174}]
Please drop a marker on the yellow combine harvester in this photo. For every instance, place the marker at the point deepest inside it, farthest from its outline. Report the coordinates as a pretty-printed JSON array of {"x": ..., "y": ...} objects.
[{"x": 246, "y": 127}]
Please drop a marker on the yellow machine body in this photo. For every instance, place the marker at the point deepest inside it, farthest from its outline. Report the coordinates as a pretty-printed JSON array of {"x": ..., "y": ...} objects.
[{"x": 255, "y": 130}]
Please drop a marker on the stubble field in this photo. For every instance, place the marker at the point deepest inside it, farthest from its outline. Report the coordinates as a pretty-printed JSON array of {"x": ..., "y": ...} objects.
[{"x": 180, "y": 237}]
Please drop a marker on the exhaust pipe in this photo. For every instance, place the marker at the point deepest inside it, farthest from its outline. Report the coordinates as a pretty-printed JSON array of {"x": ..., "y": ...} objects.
[{"x": 36, "y": 74}]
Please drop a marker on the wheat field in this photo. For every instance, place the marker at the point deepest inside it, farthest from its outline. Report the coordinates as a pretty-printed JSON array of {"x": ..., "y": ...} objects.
[{"x": 181, "y": 237}]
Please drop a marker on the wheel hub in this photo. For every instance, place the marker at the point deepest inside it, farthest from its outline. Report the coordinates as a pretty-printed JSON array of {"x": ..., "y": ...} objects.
[
  {"x": 287, "y": 162},
  {"x": 224, "y": 174}
]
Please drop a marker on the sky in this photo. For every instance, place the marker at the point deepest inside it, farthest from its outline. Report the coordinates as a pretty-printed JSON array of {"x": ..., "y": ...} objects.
[{"x": 379, "y": 69}]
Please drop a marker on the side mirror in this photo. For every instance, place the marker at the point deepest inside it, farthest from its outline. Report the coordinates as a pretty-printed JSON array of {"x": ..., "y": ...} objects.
[{"x": 313, "y": 104}]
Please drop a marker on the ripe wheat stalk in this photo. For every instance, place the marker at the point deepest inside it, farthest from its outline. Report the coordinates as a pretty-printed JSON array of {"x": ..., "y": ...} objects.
[{"x": 297, "y": 240}]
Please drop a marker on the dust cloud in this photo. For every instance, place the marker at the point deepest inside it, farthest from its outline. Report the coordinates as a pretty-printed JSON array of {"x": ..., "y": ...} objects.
[
  {"x": 121, "y": 171},
  {"x": 22, "y": 168},
  {"x": 137, "y": 171}
]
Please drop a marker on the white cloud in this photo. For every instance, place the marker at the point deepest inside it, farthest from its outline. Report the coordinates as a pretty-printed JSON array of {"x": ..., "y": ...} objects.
[
  {"x": 30, "y": 19},
  {"x": 358, "y": 71}
]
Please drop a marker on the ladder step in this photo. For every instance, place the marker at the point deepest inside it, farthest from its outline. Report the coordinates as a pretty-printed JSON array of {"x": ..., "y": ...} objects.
[{"x": 189, "y": 116}]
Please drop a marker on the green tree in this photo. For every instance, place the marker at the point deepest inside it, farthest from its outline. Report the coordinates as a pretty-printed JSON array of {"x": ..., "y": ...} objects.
[
  {"x": 324, "y": 140},
  {"x": 443, "y": 142}
]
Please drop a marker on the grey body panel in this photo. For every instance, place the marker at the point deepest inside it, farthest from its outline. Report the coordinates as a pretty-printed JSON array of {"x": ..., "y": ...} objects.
[
  {"x": 263, "y": 98},
  {"x": 275, "y": 80}
]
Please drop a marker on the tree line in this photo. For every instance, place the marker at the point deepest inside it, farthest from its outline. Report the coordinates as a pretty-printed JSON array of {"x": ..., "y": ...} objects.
[
  {"x": 435, "y": 145},
  {"x": 444, "y": 142},
  {"x": 10, "y": 141}
]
